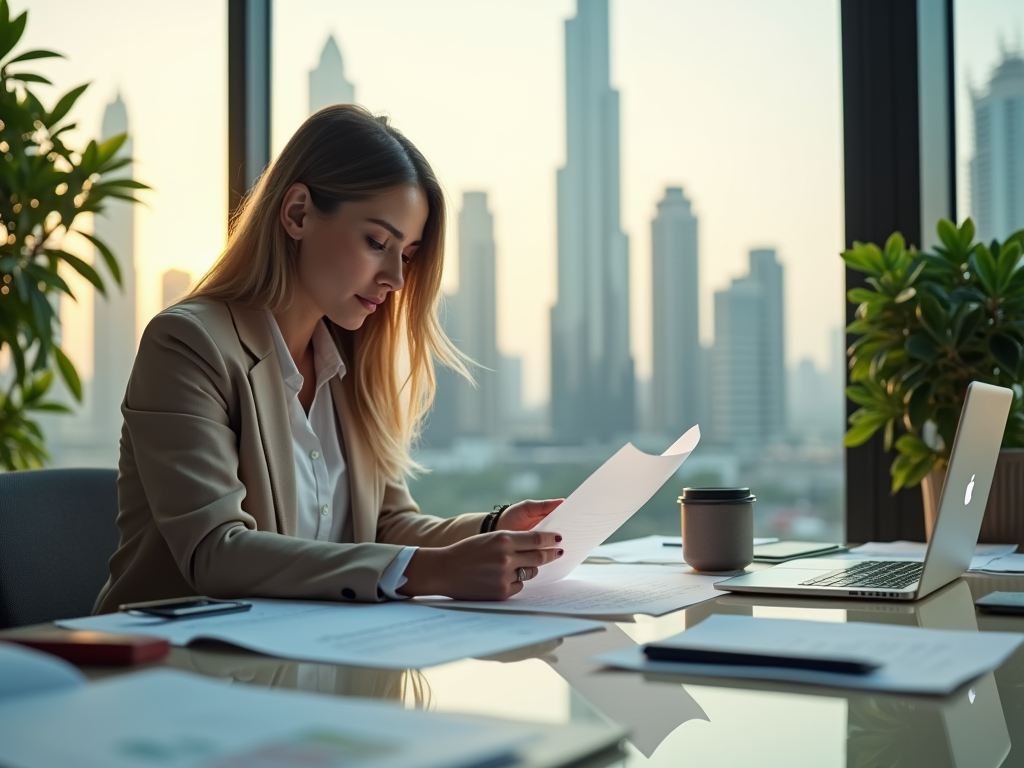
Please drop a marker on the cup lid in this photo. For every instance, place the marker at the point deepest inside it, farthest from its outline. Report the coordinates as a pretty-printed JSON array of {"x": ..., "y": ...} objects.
[{"x": 717, "y": 495}]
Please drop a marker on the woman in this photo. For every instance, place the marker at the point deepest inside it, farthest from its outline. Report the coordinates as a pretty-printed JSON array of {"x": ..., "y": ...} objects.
[{"x": 268, "y": 418}]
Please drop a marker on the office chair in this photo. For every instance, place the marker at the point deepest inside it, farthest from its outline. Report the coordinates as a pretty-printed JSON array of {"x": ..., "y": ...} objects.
[{"x": 57, "y": 531}]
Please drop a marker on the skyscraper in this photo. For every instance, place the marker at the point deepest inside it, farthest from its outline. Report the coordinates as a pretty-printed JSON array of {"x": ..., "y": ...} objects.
[
  {"x": 997, "y": 168},
  {"x": 766, "y": 271},
  {"x": 675, "y": 304},
  {"x": 476, "y": 320},
  {"x": 592, "y": 383},
  {"x": 748, "y": 384},
  {"x": 327, "y": 83},
  {"x": 736, "y": 368},
  {"x": 114, "y": 318},
  {"x": 173, "y": 285}
]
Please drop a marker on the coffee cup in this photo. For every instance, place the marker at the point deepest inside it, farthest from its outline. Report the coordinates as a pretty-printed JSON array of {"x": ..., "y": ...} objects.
[{"x": 718, "y": 528}]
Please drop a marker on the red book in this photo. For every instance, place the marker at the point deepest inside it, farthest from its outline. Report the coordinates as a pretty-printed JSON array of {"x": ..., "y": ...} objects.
[{"x": 84, "y": 647}]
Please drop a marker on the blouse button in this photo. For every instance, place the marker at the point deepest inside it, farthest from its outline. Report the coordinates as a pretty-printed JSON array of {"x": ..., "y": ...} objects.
[
  {"x": 324, "y": 509},
  {"x": 314, "y": 455}
]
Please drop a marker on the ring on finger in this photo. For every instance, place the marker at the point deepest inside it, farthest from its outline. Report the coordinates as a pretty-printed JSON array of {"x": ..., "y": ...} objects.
[{"x": 520, "y": 574}]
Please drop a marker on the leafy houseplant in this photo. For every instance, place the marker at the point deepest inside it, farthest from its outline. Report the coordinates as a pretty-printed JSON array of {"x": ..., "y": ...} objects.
[
  {"x": 928, "y": 325},
  {"x": 44, "y": 187}
]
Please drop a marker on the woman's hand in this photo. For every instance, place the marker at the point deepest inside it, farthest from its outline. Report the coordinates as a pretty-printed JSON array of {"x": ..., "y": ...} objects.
[
  {"x": 526, "y": 514},
  {"x": 482, "y": 567}
]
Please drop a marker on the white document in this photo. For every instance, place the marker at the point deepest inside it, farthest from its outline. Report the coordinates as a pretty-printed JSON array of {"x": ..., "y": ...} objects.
[
  {"x": 651, "y": 550},
  {"x": 384, "y": 635},
  {"x": 650, "y": 711},
  {"x": 23, "y": 670},
  {"x": 174, "y": 719},
  {"x": 606, "y": 500},
  {"x": 914, "y": 660},
  {"x": 984, "y": 554},
  {"x": 608, "y": 590},
  {"x": 1005, "y": 564}
]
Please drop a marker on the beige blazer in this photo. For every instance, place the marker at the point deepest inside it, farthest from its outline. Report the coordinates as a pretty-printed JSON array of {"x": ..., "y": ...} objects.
[{"x": 206, "y": 487}]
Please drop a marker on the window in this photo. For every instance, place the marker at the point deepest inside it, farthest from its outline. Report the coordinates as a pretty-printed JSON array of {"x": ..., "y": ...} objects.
[
  {"x": 990, "y": 115},
  {"x": 673, "y": 169},
  {"x": 171, "y": 99}
]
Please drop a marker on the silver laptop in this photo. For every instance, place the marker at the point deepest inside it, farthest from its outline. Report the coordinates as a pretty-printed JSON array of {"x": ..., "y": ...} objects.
[{"x": 972, "y": 463}]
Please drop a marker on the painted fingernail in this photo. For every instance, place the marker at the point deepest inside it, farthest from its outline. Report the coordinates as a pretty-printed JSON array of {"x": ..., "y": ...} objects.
[
  {"x": 561, "y": 552},
  {"x": 557, "y": 538}
]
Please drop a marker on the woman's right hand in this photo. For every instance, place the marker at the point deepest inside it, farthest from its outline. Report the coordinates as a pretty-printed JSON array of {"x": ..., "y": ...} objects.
[{"x": 482, "y": 567}]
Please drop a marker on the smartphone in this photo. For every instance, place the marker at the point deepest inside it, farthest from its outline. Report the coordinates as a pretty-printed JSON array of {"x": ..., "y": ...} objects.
[
  {"x": 1002, "y": 602},
  {"x": 186, "y": 607}
]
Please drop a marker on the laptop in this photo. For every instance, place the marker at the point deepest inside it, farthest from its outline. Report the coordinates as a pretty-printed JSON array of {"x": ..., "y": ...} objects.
[{"x": 972, "y": 463}]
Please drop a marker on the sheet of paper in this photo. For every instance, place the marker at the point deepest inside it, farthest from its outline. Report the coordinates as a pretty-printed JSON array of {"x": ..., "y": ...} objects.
[
  {"x": 984, "y": 554},
  {"x": 914, "y": 660},
  {"x": 23, "y": 670},
  {"x": 608, "y": 590},
  {"x": 606, "y": 500},
  {"x": 1005, "y": 564},
  {"x": 383, "y": 636},
  {"x": 650, "y": 711},
  {"x": 174, "y": 719},
  {"x": 651, "y": 550}
]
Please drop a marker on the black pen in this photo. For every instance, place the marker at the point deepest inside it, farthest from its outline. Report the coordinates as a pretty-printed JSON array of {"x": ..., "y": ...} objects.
[{"x": 742, "y": 659}]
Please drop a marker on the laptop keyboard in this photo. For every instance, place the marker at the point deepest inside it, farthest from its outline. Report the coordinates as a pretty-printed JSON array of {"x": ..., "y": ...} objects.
[{"x": 875, "y": 574}]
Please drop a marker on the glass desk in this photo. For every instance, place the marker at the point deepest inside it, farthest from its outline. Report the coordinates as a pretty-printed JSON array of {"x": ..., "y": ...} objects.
[{"x": 676, "y": 720}]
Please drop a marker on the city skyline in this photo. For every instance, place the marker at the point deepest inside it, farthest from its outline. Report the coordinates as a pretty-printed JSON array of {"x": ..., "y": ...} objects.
[{"x": 803, "y": 205}]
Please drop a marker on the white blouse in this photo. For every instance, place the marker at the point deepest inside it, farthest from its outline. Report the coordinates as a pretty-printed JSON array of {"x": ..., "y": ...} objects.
[{"x": 321, "y": 475}]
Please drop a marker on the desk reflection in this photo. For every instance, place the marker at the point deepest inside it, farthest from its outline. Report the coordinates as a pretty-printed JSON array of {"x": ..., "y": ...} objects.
[{"x": 228, "y": 663}]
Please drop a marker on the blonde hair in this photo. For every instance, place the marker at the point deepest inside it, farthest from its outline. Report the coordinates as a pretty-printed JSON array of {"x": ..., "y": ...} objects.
[{"x": 344, "y": 153}]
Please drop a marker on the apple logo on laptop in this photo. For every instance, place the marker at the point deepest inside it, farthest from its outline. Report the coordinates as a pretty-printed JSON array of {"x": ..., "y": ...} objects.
[{"x": 970, "y": 489}]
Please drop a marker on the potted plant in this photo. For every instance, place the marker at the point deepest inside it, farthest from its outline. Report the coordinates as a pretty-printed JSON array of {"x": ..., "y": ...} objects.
[
  {"x": 45, "y": 186},
  {"x": 927, "y": 325}
]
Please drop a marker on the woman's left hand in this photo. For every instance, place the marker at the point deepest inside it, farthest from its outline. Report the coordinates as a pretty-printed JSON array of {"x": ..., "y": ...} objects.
[{"x": 526, "y": 514}]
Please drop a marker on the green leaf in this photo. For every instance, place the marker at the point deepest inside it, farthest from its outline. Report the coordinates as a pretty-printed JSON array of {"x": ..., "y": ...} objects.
[
  {"x": 13, "y": 34},
  {"x": 49, "y": 277},
  {"x": 895, "y": 246},
  {"x": 985, "y": 266},
  {"x": 64, "y": 105},
  {"x": 865, "y": 296},
  {"x": 932, "y": 317},
  {"x": 919, "y": 406},
  {"x": 861, "y": 395},
  {"x": 913, "y": 446},
  {"x": 37, "y": 54},
  {"x": 108, "y": 257},
  {"x": 83, "y": 268},
  {"x": 108, "y": 148},
  {"x": 865, "y": 258},
  {"x": 864, "y": 427},
  {"x": 1006, "y": 351},
  {"x": 28, "y": 77},
  {"x": 966, "y": 234},
  {"x": 68, "y": 373},
  {"x": 921, "y": 347},
  {"x": 948, "y": 234},
  {"x": 1009, "y": 258}
]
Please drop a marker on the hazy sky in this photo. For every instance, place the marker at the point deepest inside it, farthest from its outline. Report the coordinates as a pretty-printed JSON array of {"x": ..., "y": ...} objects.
[{"x": 738, "y": 102}]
